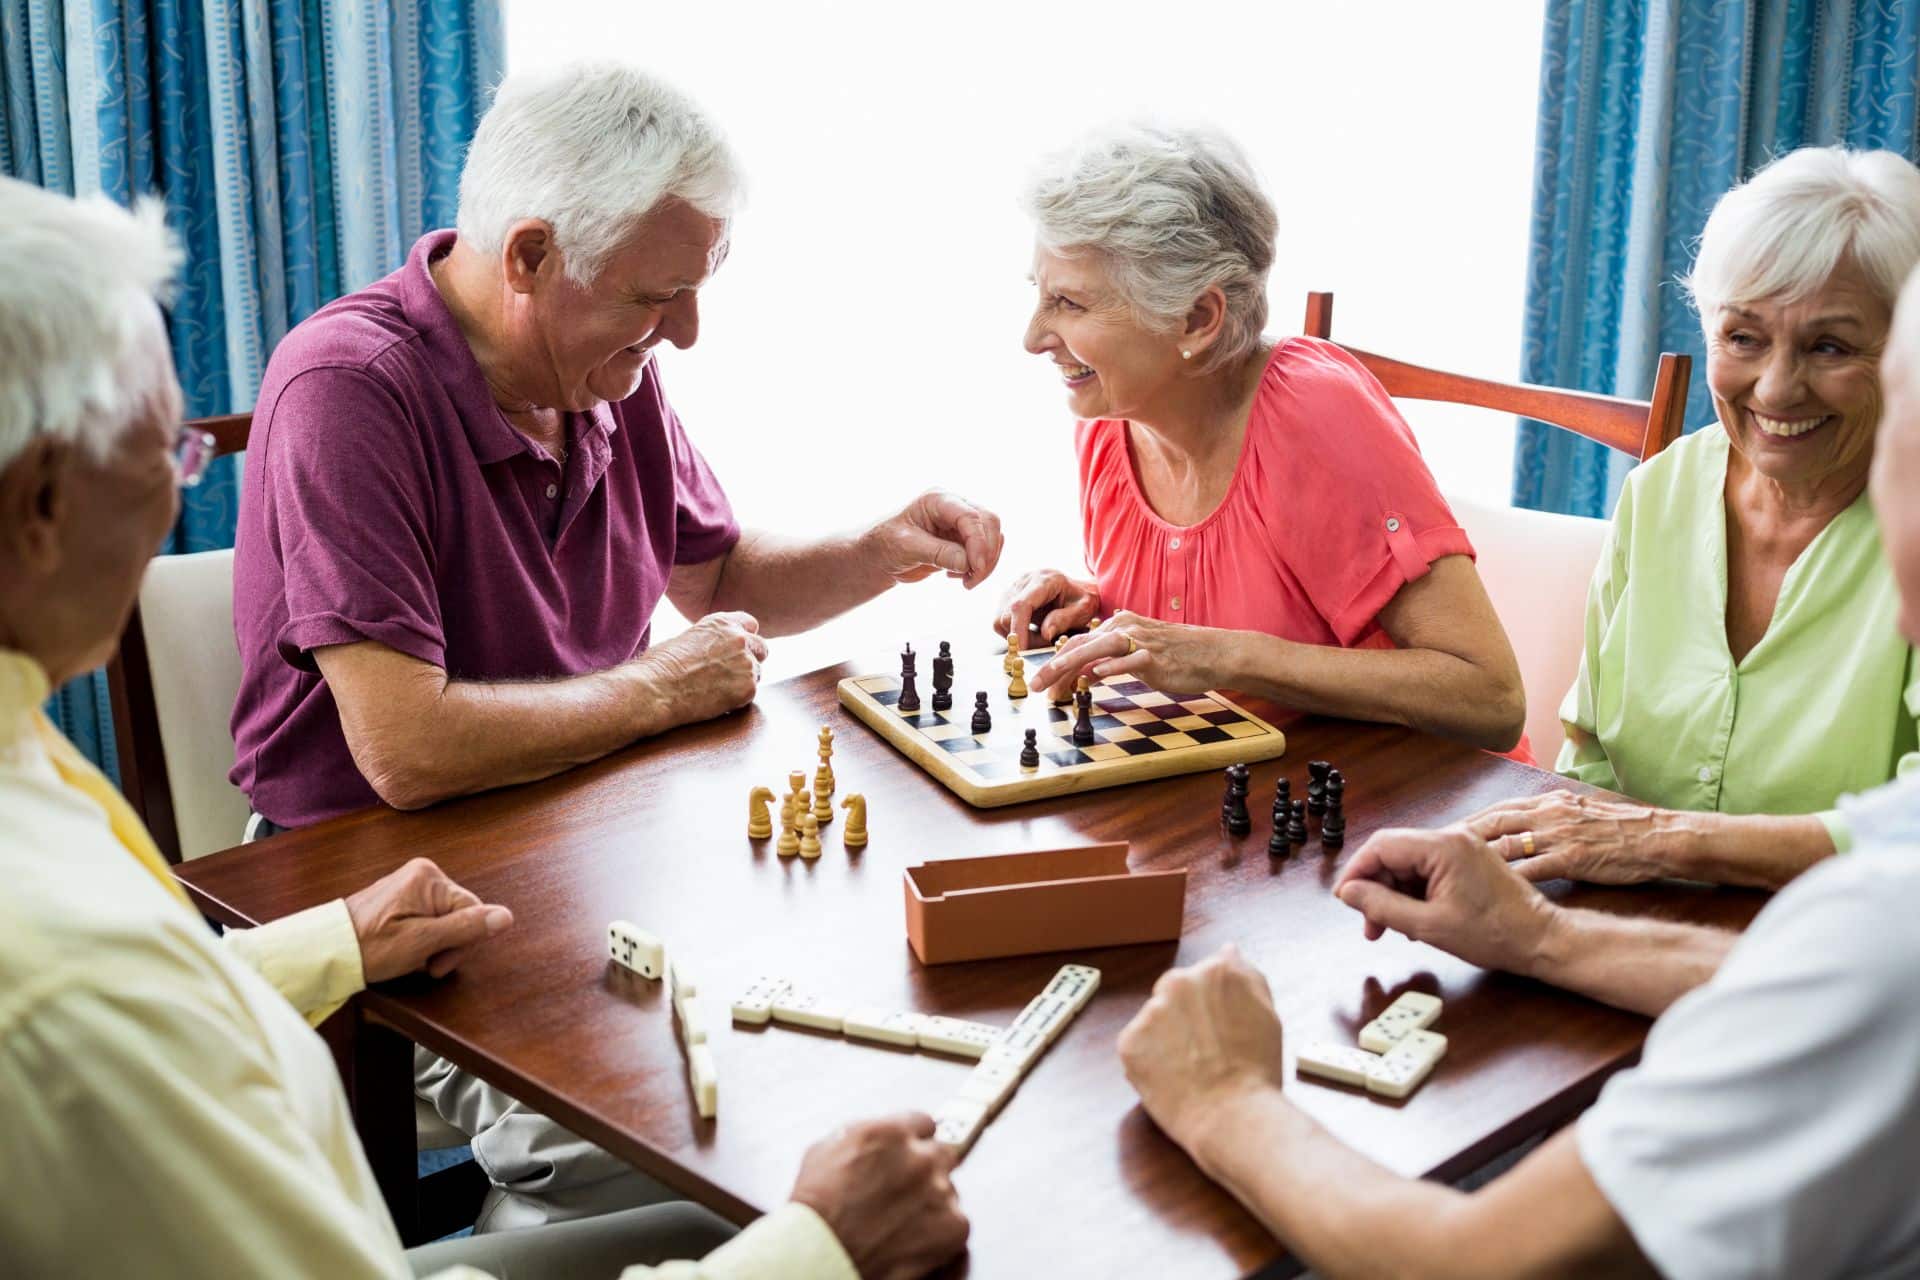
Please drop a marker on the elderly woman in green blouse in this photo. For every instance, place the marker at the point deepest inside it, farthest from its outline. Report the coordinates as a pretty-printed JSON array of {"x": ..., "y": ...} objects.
[{"x": 1742, "y": 668}]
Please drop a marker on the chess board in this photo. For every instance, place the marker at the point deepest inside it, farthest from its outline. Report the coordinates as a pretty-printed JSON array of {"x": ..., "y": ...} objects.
[{"x": 1139, "y": 733}]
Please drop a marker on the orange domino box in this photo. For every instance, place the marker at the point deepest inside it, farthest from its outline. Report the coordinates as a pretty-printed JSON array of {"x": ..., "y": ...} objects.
[{"x": 1016, "y": 904}]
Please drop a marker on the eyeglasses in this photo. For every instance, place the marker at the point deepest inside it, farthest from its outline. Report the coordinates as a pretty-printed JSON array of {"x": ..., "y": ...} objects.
[{"x": 192, "y": 452}]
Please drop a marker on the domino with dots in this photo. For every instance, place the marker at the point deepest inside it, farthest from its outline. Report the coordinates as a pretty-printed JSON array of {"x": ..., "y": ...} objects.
[
  {"x": 958, "y": 1123},
  {"x": 754, "y": 1006},
  {"x": 957, "y": 1036},
  {"x": 884, "y": 1027},
  {"x": 634, "y": 948},
  {"x": 1412, "y": 1011},
  {"x": 804, "y": 1009},
  {"x": 1404, "y": 1067},
  {"x": 1336, "y": 1062}
]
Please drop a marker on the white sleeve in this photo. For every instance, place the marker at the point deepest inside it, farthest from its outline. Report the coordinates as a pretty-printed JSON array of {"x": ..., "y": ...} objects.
[{"x": 1772, "y": 1124}]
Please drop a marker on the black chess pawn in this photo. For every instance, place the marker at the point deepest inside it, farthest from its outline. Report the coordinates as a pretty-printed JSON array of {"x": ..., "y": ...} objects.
[
  {"x": 909, "y": 696},
  {"x": 1297, "y": 822},
  {"x": 1083, "y": 735},
  {"x": 981, "y": 720},
  {"x": 943, "y": 678},
  {"x": 1282, "y": 802},
  {"x": 1333, "y": 827},
  {"x": 1233, "y": 810},
  {"x": 1030, "y": 752}
]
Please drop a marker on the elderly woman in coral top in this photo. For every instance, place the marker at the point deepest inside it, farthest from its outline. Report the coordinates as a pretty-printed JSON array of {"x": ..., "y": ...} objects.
[{"x": 1257, "y": 515}]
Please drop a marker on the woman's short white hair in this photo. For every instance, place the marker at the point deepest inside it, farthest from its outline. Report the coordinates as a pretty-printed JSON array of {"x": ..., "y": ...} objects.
[
  {"x": 76, "y": 306},
  {"x": 590, "y": 149},
  {"x": 1173, "y": 210},
  {"x": 1782, "y": 233}
]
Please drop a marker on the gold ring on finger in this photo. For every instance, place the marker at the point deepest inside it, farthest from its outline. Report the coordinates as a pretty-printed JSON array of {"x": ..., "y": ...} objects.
[
  {"x": 1132, "y": 648},
  {"x": 1526, "y": 843}
]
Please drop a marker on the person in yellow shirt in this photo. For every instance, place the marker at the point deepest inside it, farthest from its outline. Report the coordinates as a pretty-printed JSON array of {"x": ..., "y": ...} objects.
[{"x": 152, "y": 1077}]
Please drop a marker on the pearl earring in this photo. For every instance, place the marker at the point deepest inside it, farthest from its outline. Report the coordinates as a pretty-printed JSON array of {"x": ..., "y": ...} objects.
[{"x": 1186, "y": 355}]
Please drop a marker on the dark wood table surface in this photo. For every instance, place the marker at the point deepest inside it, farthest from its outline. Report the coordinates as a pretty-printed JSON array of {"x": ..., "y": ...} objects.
[{"x": 1072, "y": 1178}]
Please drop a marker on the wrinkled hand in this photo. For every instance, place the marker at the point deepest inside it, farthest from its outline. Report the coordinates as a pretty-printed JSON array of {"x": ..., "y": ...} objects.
[
  {"x": 938, "y": 531},
  {"x": 1575, "y": 837},
  {"x": 882, "y": 1186},
  {"x": 1167, "y": 655},
  {"x": 1208, "y": 1035},
  {"x": 709, "y": 669},
  {"x": 1063, "y": 604},
  {"x": 416, "y": 918},
  {"x": 1450, "y": 889}
]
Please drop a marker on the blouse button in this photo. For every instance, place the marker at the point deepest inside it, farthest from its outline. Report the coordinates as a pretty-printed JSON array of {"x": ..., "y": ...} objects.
[
  {"x": 1176, "y": 602},
  {"x": 553, "y": 491},
  {"x": 1175, "y": 544},
  {"x": 1393, "y": 524},
  {"x": 1705, "y": 774}
]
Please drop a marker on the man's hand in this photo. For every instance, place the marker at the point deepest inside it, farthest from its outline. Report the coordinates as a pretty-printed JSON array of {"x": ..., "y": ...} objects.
[
  {"x": 1447, "y": 888},
  {"x": 709, "y": 669},
  {"x": 1559, "y": 835},
  {"x": 882, "y": 1187},
  {"x": 1208, "y": 1037},
  {"x": 1063, "y": 604},
  {"x": 416, "y": 918},
  {"x": 1167, "y": 655},
  {"x": 937, "y": 531}
]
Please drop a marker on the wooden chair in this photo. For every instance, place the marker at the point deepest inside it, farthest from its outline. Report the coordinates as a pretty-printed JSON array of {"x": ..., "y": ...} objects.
[
  {"x": 157, "y": 795},
  {"x": 1639, "y": 427},
  {"x": 191, "y": 809},
  {"x": 1535, "y": 564}
]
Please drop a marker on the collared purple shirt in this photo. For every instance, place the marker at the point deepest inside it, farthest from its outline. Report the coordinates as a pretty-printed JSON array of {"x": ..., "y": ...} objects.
[{"x": 387, "y": 498}]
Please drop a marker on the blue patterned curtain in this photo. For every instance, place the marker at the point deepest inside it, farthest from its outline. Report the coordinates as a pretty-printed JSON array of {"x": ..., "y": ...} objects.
[
  {"x": 1649, "y": 111},
  {"x": 301, "y": 146}
]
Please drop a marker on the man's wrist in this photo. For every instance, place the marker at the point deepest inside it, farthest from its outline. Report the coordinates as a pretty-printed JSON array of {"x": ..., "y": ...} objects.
[
  {"x": 648, "y": 695},
  {"x": 1222, "y": 1135},
  {"x": 1552, "y": 946}
]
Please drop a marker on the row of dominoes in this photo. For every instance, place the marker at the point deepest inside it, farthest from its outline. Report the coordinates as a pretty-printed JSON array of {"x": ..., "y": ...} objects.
[
  {"x": 1006, "y": 1062},
  {"x": 634, "y": 948},
  {"x": 1396, "y": 1054},
  {"x": 778, "y": 1000}
]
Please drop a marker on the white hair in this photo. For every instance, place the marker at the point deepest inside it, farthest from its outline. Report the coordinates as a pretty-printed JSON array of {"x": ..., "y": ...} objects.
[
  {"x": 1783, "y": 232},
  {"x": 590, "y": 149},
  {"x": 76, "y": 313},
  {"x": 1173, "y": 211}
]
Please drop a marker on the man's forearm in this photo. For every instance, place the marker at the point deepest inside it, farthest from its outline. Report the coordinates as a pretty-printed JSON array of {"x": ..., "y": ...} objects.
[
  {"x": 794, "y": 584},
  {"x": 1421, "y": 688},
  {"x": 1630, "y": 962},
  {"x": 1757, "y": 850},
  {"x": 446, "y": 738}
]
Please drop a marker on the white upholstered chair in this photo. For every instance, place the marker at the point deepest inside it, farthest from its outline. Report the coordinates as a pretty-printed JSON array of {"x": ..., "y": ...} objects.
[{"x": 1536, "y": 566}]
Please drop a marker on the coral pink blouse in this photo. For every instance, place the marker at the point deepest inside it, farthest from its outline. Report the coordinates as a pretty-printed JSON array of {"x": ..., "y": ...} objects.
[{"x": 1331, "y": 511}]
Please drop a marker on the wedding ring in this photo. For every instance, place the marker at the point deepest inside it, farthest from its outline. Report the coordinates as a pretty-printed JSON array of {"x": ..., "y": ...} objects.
[
  {"x": 1132, "y": 648},
  {"x": 1526, "y": 843}
]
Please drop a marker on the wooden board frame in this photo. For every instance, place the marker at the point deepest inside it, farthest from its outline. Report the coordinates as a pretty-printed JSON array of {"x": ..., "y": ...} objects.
[{"x": 1243, "y": 738}]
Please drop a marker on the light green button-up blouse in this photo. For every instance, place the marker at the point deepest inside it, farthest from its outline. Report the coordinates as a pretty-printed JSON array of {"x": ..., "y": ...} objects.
[{"x": 1823, "y": 706}]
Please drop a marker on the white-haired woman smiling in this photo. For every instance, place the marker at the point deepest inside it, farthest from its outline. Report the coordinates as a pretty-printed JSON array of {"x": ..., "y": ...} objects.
[
  {"x": 1743, "y": 669},
  {"x": 1256, "y": 513}
]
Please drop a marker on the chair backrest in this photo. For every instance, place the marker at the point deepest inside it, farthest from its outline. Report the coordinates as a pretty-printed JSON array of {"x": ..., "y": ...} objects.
[
  {"x": 1641, "y": 428},
  {"x": 1536, "y": 566},
  {"x": 173, "y": 681}
]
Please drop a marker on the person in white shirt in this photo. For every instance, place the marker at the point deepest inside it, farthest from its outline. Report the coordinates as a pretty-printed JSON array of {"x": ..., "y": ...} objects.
[
  {"x": 164, "y": 1104},
  {"x": 1773, "y": 1124}
]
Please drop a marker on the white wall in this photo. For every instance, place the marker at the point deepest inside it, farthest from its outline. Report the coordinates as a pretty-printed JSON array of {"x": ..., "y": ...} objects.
[{"x": 863, "y": 340}]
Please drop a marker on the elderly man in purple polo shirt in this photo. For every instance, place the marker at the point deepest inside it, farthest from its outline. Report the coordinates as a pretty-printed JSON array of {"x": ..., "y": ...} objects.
[{"x": 466, "y": 492}]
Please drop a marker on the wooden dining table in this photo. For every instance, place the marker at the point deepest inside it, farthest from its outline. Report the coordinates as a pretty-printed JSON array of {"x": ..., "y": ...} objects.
[{"x": 1072, "y": 1178}]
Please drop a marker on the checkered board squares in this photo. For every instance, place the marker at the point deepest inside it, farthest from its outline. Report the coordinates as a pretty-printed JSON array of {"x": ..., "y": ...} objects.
[{"x": 1139, "y": 733}]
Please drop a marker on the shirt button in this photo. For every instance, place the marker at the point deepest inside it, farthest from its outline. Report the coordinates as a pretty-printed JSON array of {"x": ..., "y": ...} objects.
[
  {"x": 1176, "y": 602},
  {"x": 1175, "y": 544},
  {"x": 1393, "y": 525},
  {"x": 1705, "y": 774},
  {"x": 553, "y": 491}
]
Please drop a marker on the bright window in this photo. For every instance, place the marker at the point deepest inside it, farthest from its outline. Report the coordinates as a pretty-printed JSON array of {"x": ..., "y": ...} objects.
[{"x": 863, "y": 340}]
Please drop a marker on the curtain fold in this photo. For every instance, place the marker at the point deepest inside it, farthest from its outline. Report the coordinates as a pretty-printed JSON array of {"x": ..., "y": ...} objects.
[
  {"x": 1649, "y": 111},
  {"x": 300, "y": 145}
]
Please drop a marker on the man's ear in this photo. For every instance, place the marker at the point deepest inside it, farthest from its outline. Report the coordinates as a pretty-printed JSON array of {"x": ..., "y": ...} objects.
[
  {"x": 35, "y": 493},
  {"x": 527, "y": 249}
]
